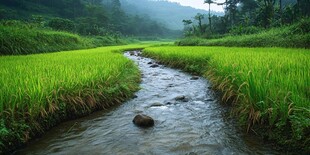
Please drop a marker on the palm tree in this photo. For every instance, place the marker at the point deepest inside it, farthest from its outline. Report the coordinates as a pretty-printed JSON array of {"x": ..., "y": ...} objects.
[{"x": 209, "y": 2}]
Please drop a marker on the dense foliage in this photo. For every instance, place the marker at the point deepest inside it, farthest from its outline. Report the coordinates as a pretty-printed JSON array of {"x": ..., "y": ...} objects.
[
  {"x": 268, "y": 87},
  {"x": 247, "y": 17},
  {"x": 86, "y": 17},
  {"x": 296, "y": 35}
]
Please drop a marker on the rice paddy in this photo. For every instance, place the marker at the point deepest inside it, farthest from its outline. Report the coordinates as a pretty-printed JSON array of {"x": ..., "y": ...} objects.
[
  {"x": 268, "y": 87},
  {"x": 37, "y": 91}
]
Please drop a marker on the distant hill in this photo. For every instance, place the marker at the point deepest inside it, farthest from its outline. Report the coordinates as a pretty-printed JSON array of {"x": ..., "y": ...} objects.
[
  {"x": 170, "y": 14},
  {"x": 85, "y": 17}
]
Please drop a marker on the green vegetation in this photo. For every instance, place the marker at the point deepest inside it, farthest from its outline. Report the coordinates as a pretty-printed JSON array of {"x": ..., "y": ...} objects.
[
  {"x": 27, "y": 38},
  {"x": 28, "y": 26},
  {"x": 84, "y": 17},
  {"x": 251, "y": 23},
  {"x": 296, "y": 36},
  {"x": 268, "y": 87},
  {"x": 38, "y": 91}
]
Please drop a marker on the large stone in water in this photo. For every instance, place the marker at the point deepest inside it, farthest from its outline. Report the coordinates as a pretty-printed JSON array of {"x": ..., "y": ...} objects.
[{"x": 142, "y": 120}]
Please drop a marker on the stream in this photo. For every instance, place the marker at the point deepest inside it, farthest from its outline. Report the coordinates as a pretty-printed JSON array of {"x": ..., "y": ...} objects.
[{"x": 188, "y": 120}]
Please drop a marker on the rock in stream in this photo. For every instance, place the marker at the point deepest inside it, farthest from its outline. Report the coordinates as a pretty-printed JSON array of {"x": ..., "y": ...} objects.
[{"x": 142, "y": 120}]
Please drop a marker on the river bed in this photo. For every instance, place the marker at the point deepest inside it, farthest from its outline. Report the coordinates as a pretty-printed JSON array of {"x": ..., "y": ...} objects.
[{"x": 194, "y": 124}]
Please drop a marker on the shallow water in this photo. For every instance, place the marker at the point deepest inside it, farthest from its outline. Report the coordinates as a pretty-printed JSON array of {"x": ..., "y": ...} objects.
[{"x": 198, "y": 126}]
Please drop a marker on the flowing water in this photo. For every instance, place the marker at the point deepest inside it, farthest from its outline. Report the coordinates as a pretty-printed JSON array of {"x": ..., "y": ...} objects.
[{"x": 197, "y": 124}]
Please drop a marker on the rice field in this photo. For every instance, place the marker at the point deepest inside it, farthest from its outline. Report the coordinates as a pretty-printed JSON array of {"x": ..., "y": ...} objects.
[
  {"x": 37, "y": 91},
  {"x": 268, "y": 87}
]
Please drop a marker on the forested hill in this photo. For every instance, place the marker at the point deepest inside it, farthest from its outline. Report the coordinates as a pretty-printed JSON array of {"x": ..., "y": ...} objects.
[
  {"x": 170, "y": 14},
  {"x": 85, "y": 17}
]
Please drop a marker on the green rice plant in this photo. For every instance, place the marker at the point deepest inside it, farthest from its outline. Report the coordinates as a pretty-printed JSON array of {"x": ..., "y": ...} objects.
[
  {"x": 268, "y": 87},
  {"x": 38, "y": 91}
]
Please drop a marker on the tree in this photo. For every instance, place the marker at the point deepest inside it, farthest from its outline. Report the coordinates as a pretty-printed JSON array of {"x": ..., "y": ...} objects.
[
  {"x": 199, "y": 17},
  {"x": 303, "y": 7},
  {"x": 288, "y": 15},
  {"x": 220, "y": 24},
  {"x": 232, "y": 9},
  {"x": 248, "y": 11},
  {"x": 209, "y": 2},
  {"x": 187, "y": 28},
  {"x": 266, "y": 12},
  {"x": 118, "y": 16}
]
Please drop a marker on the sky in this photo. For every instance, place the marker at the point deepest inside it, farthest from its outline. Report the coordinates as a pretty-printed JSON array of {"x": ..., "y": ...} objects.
[{"x": 199, "y": 4}]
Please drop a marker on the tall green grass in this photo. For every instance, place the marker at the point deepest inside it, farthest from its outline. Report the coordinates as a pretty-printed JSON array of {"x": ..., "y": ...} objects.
[
  {"x": 268, "y": 87},
  {"x": 38, "y": 91}
]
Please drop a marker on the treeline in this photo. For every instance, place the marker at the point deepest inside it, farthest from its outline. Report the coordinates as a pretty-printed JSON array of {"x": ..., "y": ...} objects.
[
  {"x": 247, "y": 17},
  {"x": 85, "y": 17},
  {"x": 293, "y": 36}
]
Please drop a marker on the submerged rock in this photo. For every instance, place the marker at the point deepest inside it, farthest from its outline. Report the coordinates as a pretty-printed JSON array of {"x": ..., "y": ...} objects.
[
  {"x": 142, "y": 120},
  {"x": 170, "y": 85},
  {"x": 181, "y": 98},
  {"x": 156, "y": 104},
  {"x": 155, "y": 74},
  {"x": 150, "y": 63},
  {"x": 154, "y": 66},
  {"x": 194, "y": 77},
  {"x": 132, "y": 53},
  {"x": 169, "y": 103},
  {"x": 166, "y": 78},
  {"x": 137, "y": 111}
]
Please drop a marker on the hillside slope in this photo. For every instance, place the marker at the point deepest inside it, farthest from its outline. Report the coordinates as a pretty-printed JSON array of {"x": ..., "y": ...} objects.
[{"x": 169, "y": 13}]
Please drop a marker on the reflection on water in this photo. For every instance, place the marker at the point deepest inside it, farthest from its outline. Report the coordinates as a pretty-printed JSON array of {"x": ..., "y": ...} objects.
[{"x": 197, "y": 125}]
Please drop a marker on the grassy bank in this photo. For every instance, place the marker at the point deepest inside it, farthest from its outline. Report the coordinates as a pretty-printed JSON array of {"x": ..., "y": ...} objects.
[
  {"x": 268, "y": 87},
  {"x": 24, "y": 38},
  {"x": 38, "y": 91},
  {"x": 294, "y": 36}
]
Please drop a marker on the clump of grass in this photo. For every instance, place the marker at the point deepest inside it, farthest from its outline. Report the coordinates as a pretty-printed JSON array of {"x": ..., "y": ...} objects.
[
  {"x": 38, "y": 91},
  {"x": 268, "y": 87}
]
